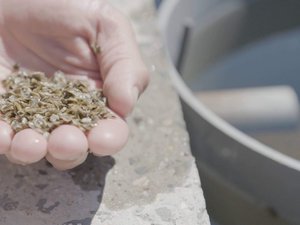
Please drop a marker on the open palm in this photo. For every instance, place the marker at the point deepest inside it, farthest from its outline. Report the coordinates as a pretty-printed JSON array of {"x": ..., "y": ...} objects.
[{"x": 86, "y": 40}]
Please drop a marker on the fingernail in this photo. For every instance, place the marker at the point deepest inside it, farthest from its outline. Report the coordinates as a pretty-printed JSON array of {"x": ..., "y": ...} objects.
[{"x": 135, "y": 95}]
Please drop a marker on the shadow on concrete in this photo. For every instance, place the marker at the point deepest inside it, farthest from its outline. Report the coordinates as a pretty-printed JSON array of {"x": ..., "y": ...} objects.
[{"x": 40, "y": 194}]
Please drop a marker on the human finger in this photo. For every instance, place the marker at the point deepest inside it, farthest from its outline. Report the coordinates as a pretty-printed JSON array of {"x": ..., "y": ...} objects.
[
  {"x": 28, "y": 146},
  {"x": 108, "y": 137},
  {"x": 6, "y": 135},
  {"x": 124, "y": 74},
  {"x": 66, "y": 164},
  {"x": 67, "y": 142}
]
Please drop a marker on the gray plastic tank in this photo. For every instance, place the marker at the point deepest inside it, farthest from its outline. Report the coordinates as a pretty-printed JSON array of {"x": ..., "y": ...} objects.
[{"x": 245, "y": 181}]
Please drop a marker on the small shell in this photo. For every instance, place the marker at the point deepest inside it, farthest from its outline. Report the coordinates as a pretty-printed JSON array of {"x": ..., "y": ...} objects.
[
  {"x": 86, "y": 120},
  {"x": 54, "y": 118}
]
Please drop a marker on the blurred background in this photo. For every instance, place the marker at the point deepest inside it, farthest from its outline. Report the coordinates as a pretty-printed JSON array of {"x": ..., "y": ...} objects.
[{"x": 237, "y": 66}]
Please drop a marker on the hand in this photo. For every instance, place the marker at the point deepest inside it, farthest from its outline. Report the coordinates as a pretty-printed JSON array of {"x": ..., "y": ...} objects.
[{"x": 85, "y": 39}]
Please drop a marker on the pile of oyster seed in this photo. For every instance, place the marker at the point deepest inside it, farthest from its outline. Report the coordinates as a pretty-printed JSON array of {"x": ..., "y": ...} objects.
[{"x": 33, "y": 100}]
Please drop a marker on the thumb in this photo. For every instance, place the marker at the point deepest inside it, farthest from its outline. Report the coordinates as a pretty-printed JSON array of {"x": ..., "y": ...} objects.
[{"x": 123, "y": 72}]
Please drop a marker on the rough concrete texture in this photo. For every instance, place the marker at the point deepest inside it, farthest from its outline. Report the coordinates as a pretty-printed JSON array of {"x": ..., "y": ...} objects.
[{"x": 153, "y": 181}]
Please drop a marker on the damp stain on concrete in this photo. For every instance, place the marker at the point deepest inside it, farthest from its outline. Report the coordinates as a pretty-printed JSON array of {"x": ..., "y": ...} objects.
[
  {"x": 41, "y": 186},
  {"x": 43, "y": 207},
  {"x": 7, "y": 203},
  {"x": 42, "y": 172},
  {"x": 91, "y": 175},
  {"x": 86, "y": 221}
]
